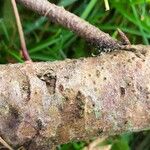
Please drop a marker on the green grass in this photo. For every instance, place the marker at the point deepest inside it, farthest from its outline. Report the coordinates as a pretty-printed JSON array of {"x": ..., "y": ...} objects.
[
  {"x": 42, "y": 36},
  {"x": 49, "y": 42}
]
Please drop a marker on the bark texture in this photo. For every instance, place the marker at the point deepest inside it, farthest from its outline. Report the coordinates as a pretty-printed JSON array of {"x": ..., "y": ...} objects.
[
  {"x": 45, "y": 104},
  {"x": 68, "y": 20}
]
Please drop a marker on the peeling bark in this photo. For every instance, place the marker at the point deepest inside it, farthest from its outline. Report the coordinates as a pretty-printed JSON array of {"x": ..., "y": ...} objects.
[{"x": 45, "y": 104}]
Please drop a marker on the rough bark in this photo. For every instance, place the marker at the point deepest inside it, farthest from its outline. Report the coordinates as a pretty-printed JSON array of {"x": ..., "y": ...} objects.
[
  {"x": 45, "y": 104},
  {"x": 68, "y": 20}
]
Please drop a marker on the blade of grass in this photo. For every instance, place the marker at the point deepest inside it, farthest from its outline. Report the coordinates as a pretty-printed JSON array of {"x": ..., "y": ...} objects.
[
  {"x": 11, "y": 53},
  {"x": 33, "y": 26},
  {"x": 43, "y": 45},
  {"x": 145, "y": 40},
  {"x": 15, "y": 56},
  {"x": 42, "y": 57},
  {"x": 4, "y": 29},
  {"x": 129, "y": 16},
  {"x": 88, "y": 9},
  {"x": 106, "y": 5},
  {"x": 66, "y": 2}
]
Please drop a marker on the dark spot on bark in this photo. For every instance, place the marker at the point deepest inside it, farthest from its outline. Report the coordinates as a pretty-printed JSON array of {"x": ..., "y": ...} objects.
[
  {"x": 89, "y": 75},
  {"x": 66, "y": 77},
  {"x": 51, "y": 85},
  {"x": 115, "y": 91},
  {"x": 35, "y": 92},
  {"x": 141, "y": 88},
  {"x": 105, "y": 78},
  {"x": 61, "y": 88},
  {"x": 126, "y": 122},
  {"x": 111, "y": 57},
  {"x": 129, "y": 60},
  {"x": 102, "y": 68},
  {"x": 28, "y": 93},
  {"x": 94, "y": 82},
  {"x": 128, "y": 83},
  {"x": 115, "y": 55},
  {"x": 133, "y": 58},
  {"x": 147, "y": 96},
  {"x": 50, "y": 79},
  {"x": 66, "y": 98},
  {"x": 26, "y": 145},
  {"x": 26, "y": 88},
  {"x": 13, "y": 119},
  {"x": 100, "y": 131},
  {"x": 39, "y": 124},
  {"x": 80, "y": 104},
  {"x": 122, "y": 91},
  {"x": 75, "y": 61},
  {"x": 97, "y": 73}
]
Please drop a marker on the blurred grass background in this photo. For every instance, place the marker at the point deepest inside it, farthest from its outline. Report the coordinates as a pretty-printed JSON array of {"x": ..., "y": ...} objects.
[{"x": 48, "y": 42}]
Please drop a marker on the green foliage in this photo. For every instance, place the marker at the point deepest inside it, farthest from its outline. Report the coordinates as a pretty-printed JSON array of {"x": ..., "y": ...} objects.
[{"x": 49, "y": 42}]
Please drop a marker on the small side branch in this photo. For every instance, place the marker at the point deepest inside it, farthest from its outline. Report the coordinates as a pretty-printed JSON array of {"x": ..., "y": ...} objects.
[{"x": 79, "y": 26}]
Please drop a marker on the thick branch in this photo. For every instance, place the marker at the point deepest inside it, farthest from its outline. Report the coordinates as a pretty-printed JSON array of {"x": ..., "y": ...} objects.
[
  {"x": 82, "y": 28},
  {"x": 52, "y": 103}
]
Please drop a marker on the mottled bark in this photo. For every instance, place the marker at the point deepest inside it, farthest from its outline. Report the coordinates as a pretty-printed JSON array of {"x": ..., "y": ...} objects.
[
  {"x": 68, "y": 20},
  {"x": 45, "y": 104}
]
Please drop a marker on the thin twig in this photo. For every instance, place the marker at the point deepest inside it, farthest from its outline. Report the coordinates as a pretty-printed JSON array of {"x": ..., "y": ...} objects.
[
  {"x": 5, "y": 144},
  {"x": 59, "y": 15},
  {"x": 124, "y": 38},
  {"x": 20, "y": 30}
]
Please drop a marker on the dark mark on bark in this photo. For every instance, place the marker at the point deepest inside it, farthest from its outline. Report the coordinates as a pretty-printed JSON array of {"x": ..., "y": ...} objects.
[
  {"x": 50, "y": 79},
  {"x": 122, "y": 91},
  {"x": 13, "y": 119},
  {"x": 61, "y": 88},
  {"x": 105, "y": 78},
  {"x": 89, "y": 75},
  {"x": 100, "y": 131},
  {"x": 129, "y": 60},
  {"x": 39, "y": 124},
  {"x": 80, "y": 103},
  {"x": 97, "y": 73},
  {"x": 126, "y": 122},
  {"x": 66, "y": 77},
  {"x": 26, "y": 88},
  {"x": 26, "y": 145},
  {"x": 93, "y": 104}
]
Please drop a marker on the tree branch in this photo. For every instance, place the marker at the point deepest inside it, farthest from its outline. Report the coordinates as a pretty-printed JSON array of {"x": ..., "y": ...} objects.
[
  {"x": 42, "y": 104},
  {"x": 68, "y": 20}
]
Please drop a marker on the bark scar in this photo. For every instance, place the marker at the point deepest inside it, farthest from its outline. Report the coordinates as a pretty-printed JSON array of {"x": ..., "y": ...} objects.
[{"x": 50, "y": 79}]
